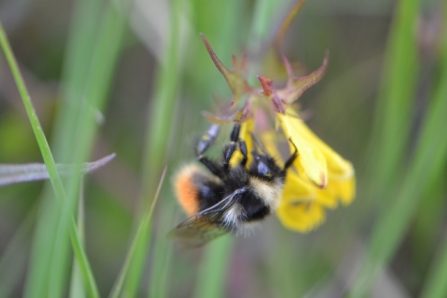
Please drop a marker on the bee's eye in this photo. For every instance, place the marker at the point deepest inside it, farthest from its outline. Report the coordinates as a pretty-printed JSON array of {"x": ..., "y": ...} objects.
[{"x": 263, "y": 169}]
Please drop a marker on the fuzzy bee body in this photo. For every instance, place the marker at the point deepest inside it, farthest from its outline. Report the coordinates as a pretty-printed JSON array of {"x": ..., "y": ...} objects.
[{"x": 230, "y": 199}]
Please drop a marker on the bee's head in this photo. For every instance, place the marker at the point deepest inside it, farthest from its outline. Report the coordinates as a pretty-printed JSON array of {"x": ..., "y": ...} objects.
[{"x": 264, "y": 166}]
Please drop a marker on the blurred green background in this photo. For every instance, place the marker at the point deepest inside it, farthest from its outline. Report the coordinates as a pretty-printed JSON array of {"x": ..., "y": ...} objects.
[{"x": 132, "y": 77}]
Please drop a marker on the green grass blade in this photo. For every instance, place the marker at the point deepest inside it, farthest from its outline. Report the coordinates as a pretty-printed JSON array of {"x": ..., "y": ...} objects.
[
  {"x": 56, "y": 182},
  {"x": 12, "y": 262},
  {"x": 395, "y": 102},
  {"x": 38, "y": 280},
  {"x": 390, "y": 138},
  {"x": 435, "y": 285},
  {"x": 158, "y": 131},
  {"x": 48, "y": 158},
  {"x": 104, "y": 57},
  {"x": 80, "y": 47},
  {"x": 108, "y": 45},
  {"x": 140, "y": 236},
  {"x": 77, "y": 289},
  {"x": 162, "y": 252},
  {"x": 40, "y": 137},
  {"x": 428, "y": 163},
  {"x": 162, "y": 108},
  {"x": 102, "y": 66},
  {"x": 213, "y": 270}
]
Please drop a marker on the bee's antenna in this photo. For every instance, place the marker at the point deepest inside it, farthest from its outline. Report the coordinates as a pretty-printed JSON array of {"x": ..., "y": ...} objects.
[{"x": 258, "y": 144}]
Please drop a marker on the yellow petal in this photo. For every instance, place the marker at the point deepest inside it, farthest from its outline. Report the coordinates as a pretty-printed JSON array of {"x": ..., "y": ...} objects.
[
  {"x": 301, "y": 190},
  {"x": 302, "y": 207},
  {"x": 326, "y": 198},
  {"x": 310, "y": 159},
  {"x": 343, "y": 189},
  {"x": 296, "y": 189},
  {"x": 341, "y": 184},
  {"x": 335, "y": 163},
  {"x": 302, "y": 217},
  {"x": 299, "y": 209}
]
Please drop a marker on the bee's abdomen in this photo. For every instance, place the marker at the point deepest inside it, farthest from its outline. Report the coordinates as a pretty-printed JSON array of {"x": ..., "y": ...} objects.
[
  {"x": 210, "y": 191},
  {"x": 196, "y": 190},
  {"x": 186, "y": 190}
]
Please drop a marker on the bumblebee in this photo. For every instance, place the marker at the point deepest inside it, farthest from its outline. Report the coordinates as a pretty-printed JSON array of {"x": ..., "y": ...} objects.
[{"x": 228, "y": 198}]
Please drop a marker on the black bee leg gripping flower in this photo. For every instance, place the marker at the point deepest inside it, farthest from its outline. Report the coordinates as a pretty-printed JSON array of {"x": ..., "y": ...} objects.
[
  {"x": 207, "y": 139},
  {"x": 203, "y": 144},
  {"x": 243, "y": 149},
  {"x": 292, "y": 158},
  {"x": 230, "y": 148}
]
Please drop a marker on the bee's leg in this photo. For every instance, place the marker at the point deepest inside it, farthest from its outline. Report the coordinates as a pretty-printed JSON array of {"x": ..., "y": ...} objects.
[
  {"x": 207, "y": 139},
  {"x": 210, "y": 165},
  {"x": 203, "y": 144},
  {"x": 292, "y": 158},
  {"x": 230, "y": 148},
  {"x": 243, "y": 149}
]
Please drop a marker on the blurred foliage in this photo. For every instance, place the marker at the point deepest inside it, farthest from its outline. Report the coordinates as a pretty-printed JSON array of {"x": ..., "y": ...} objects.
[{"x": 132, "y": 77}]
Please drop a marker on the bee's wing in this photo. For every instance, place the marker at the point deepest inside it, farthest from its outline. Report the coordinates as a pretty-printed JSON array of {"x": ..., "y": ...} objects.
[
  {"x": 201, "y": 228},
  {"x": 196, "y": 231}
]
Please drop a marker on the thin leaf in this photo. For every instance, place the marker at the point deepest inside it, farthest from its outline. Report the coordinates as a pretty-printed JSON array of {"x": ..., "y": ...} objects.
[
  {"x": 140, "y": 236},
  {"x": 394, "y": 112},
  {"x": 10, "y": 174},
  {"x": 435, "y": 285},
  {"x": 161, "y": 115},
  {"x": 428, "y": 163},
  {"x": 213, "y": 269},
  {"x": 55, "y": 179},
  {"x": 92, "y": 54},
  {"x": 12, "y": 262},
  {"x": 77, "y": 289}
]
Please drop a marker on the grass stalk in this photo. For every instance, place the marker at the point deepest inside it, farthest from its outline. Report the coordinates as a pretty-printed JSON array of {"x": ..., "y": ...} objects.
[
  {"x": 428, "y": 163},
  {"x": 47, "y": 156},
  {"x": 396, "y": 99},
  {"x": 77, "y": 289},
  {"x": 144, "y": 226},
  {"x": 79, "y": 50},
  {"x": 12, "y": 262},
  {"x": 159, "y": 127},
  {"x": 435, "y": 284}
]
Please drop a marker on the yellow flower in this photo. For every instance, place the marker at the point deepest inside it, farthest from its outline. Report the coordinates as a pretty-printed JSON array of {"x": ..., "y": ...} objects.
[
  {"x": 323, "y": 178},
  {"x": 319, "y": 178}
]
